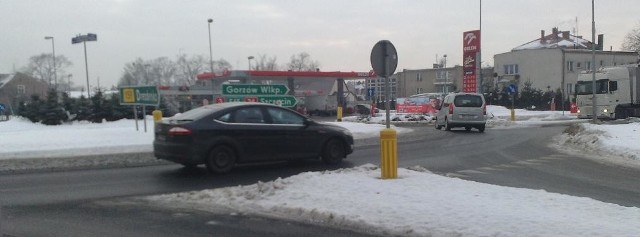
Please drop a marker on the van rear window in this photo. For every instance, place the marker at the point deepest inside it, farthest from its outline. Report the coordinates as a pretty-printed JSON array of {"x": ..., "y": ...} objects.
[{"x": 468, "y": 101}]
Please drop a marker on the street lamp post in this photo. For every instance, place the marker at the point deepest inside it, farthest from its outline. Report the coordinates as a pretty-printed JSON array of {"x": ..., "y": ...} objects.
[
  {"x": 210, "y": 51},
  {"x": 55, "y": 73},
  {"x": 84, "y": 39},
  {"x": 446, "y": 78},
  {"x": 250, "y": 57}
]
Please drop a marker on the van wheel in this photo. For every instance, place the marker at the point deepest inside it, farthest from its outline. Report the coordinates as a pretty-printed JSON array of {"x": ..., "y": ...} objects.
[
  {"x": 221, "y": 159},
  {"x": 333, "y": 152},
  {"x": 447, "y": 127}
]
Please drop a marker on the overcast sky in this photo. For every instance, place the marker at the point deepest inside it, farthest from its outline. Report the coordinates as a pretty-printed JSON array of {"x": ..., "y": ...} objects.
[{"x": 337, "y": 33}]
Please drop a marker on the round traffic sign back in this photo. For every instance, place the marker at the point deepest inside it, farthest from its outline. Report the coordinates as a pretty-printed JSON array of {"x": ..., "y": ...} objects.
[{"x": 384, "y": 58}]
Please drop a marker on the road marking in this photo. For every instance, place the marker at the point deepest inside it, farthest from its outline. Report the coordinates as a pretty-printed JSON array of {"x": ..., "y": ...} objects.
[{"x": 506, "y": 166}]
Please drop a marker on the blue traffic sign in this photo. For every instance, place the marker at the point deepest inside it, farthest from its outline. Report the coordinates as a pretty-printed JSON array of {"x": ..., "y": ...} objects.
[
  {"x": 512, "y": 89},
  {"x": 370, "y": 91},
  {"x": 2, "y": 107}
]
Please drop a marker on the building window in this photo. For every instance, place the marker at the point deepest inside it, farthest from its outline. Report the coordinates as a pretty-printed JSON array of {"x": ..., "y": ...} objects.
[
  {"x": 570, "y": 66},
  {"x": 511, "y": 69},
  {"x": 21, "y": 90},
  {"x": 442, "y": 75},
  {"x": 419, "y": 91},
  {"x": 588, "y": 65},
  {"x": 419, "y": 77},
  {"x": 578, "y": 65},
  {"x": 601, "y": 63}
]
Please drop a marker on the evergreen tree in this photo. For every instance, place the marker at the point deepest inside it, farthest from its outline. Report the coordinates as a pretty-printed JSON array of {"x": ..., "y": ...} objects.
[
  {"x": 33, "y": 108},
  {"x": 97, "y": 114},
  {"x": 53, "y": 112},
  {"x": 82, "y": 109},
  {"x": 531, "y": 98},
  {"x": 120, "y": 111}
]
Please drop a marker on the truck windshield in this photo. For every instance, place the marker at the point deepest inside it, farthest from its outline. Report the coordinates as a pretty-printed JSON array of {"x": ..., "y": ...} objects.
[{"x": 585, "y": 87}]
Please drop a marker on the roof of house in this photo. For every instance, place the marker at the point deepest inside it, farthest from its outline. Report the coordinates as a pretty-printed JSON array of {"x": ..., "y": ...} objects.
[
  {"x": 557, "y": 39},
  {"x": 5, "y": 78}
]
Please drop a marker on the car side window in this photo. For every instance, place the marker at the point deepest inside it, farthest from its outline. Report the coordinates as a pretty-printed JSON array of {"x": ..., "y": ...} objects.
[
  {"x": 225, "y": 118},
  {"x": 282, "y": 116},
  {"x": 248, "y": 115}
]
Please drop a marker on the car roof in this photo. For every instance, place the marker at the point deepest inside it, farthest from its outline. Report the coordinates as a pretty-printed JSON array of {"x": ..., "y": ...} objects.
[{"x": 212, "y": 108}]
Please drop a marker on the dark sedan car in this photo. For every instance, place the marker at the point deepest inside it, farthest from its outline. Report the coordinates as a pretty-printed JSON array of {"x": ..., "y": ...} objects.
[{"x": 225, "y": 134}]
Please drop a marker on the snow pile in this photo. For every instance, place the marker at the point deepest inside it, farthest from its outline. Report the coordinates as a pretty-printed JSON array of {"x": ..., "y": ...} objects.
[
  {"x": 615, "y": 143},
  {"x": 362, "y": 130},
  {"x": 416, "y": 204},
  {"x": 21, "y": 138}
]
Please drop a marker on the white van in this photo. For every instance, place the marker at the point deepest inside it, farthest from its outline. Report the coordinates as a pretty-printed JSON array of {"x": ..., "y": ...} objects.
[{"x": 466, "y": 110}]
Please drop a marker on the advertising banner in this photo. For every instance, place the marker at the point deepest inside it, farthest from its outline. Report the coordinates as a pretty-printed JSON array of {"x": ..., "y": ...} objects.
[
  {"x": 417, "y": 105},
  {"x": 470, "y": 50}
]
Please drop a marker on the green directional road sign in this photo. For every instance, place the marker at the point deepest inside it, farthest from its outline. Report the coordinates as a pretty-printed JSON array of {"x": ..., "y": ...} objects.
[
  {"x": 139, "y": 95},
  {"x": 252, "y": 89},
  {"x": 282, "y": 100}
]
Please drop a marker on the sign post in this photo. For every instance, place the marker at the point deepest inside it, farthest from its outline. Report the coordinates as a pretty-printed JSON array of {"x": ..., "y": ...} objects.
[
  {"x": 140, "y": 95},
  {"x": 384, "y": 60},
  {"x": 511, "y": 90}
]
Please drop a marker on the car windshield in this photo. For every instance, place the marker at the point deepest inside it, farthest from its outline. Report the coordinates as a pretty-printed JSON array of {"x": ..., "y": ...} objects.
[
  {"x": 468, "y": 101},
  {"x": 586, "y": 87}
]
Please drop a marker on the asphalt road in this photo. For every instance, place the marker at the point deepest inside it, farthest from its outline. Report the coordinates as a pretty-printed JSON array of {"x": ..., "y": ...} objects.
[{"x": 101, "y": 202}]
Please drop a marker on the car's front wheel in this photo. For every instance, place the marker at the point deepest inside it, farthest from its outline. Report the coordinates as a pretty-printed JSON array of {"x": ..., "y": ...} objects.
[
  {"x": 221, "y": 159},
  {"x": 333, "y": 152}
]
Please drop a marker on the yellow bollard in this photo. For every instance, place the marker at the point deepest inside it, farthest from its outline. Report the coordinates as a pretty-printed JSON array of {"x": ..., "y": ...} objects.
[
  {"x": 157, "y": 115},
  {"x": 339, "y": 113},
  {"x": 389, "y": 153},
  {"x": 513, "y": 115}
]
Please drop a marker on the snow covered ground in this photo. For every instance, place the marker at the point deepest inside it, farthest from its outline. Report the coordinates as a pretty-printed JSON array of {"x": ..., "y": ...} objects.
[{"x": 418, "y": 203}]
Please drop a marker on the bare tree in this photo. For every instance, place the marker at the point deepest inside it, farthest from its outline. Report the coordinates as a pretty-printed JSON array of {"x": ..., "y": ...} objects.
[
  {"x": 264, "y": 63},
  {"x": 136, "y": 73},
  {"x": 188, "y": 68},
  {"x": 162, "y": 72},
  {"x": 302, "y": 62},
  {"x": 632, "y": 40},
  {"x": 41, "y": 66},
  {"x": 221, "y": 65}
]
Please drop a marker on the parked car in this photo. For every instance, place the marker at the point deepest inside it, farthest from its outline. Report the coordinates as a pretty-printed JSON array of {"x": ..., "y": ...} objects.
[
  {"x": 225, "y": 134},
  {"x": 466, "y": 110}
]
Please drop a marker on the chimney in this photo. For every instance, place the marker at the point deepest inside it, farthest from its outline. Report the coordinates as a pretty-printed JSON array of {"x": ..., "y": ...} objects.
[
  {"x": 600, "y": 42},
  {"x": 542, "y": 36},
  {"x": 555, "y": 33},
  {"x": 565, "y": 35}
]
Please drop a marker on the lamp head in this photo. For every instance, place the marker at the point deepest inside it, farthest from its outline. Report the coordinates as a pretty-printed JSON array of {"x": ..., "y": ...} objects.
[
  {"x": 48, "y": 37},
  {"x": 210, "y": 20}
]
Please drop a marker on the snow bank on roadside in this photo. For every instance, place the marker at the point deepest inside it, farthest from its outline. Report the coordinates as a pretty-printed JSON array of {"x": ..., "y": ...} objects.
[
  {"x": 417, "y": 203},
  {"x": 613, "y": 143}
]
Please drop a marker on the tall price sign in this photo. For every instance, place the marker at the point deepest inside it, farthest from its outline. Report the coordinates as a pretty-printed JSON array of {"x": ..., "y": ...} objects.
[{"x": 470, "y": 50}]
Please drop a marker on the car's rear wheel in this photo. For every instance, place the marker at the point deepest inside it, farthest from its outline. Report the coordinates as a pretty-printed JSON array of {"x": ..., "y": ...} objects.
[
  {"x": 467, "y": 128},
  {"x": 438, "y": 127},
  {"x": 221, "y": 159},
  {"x": 333, "y": 152},
  {"x": 447, "y": 127},
  {"x": 481, "y": 128}
]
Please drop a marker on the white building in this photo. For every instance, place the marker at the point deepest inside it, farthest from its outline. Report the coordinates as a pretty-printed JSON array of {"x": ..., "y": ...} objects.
[{"x": 554, "y": 61}]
